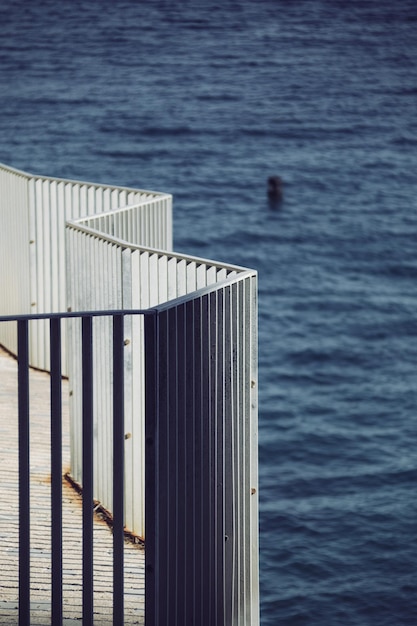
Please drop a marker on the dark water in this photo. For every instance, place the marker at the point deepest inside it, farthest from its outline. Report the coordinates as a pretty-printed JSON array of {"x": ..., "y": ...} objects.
[{"x": 206, "y": 100}]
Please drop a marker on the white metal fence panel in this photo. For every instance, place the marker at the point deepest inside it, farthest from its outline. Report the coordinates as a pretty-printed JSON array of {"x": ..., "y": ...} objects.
[
  {"x": 146, "y": 224},
  {"x": 93, "y": 284},
  {"x": 14, "y": 251},
  {"x": 201, "y": 459},
  {"x": 106, "y": 273},
  {"x": 34, "y": 210}
]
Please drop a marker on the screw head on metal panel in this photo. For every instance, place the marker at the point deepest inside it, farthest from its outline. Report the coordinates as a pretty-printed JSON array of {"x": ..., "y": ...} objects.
[
  {"x": 128, "y": 435},
  {"x": 69, "y": 309},
  {"x": 126, "y": 342},
  {"x": 253, "y": 383},
  {"x": 252, "y": 491}
]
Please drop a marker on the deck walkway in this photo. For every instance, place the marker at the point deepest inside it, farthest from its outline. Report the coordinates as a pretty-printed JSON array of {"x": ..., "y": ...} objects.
[{"x": 40, "y": 521}]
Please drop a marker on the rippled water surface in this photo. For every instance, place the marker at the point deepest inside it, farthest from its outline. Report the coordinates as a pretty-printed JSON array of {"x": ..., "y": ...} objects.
[{"x": 206, "y": 100}]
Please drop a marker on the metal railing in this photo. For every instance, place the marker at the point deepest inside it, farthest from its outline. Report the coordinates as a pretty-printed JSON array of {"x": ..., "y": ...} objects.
[
  {"x": 54, "y": 322},
  {"x": 34, "y": 211},
  {"x": 200, "y": 458},
  {"x": 178, "y": 361}
]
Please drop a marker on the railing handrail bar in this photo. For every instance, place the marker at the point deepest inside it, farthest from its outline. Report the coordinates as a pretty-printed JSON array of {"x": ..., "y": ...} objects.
[
  {"x": 175, "y": 255},
  {"x": 81, "y": 314},
  {"x": 84, "y": 183},
  {"x": 120, "y": 209}
]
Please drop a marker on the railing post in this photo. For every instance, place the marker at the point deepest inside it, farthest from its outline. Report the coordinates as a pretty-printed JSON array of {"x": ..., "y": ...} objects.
[
  {"x": 87, "y": 465},
  {"x": 56, "y": 470},
  {"x": 24, "y": 473},
  {"x": 118, "y": 470},
  {"x": 151, "y": 384}
]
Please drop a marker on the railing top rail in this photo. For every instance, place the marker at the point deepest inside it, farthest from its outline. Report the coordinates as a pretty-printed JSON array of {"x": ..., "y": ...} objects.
[
  {"x": 66, "y": 314},
  {"x": 122, "y": 209},
  {"x": 30, "y": 175},
  {"x": 75, "y": 225}
]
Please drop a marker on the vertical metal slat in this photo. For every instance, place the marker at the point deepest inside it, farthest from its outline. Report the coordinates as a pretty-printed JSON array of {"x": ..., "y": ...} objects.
[
  {"x": 87, "y": 464},
  {"x": 56, "y": 470},
  {"x": 24, "y": 472},
  {"x": 151, "y": 455},
  {"x": 118, "y": 470},
  {"x": 223, "y": 532}
]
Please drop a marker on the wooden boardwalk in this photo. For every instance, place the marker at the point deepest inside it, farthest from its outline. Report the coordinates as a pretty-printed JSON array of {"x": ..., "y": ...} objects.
[{"x": 40, "y": 521}]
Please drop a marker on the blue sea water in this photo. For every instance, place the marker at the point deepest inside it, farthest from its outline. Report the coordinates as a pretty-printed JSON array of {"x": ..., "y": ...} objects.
[{"x": 205, "y": 100}]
